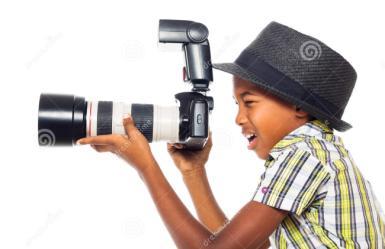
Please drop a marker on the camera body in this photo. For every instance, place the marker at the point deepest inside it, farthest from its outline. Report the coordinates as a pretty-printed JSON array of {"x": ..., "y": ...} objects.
[
  {"x": 194, "y": 106},
  {"x": 63, "y": 119},
  {"x": 194, "y": 110}
]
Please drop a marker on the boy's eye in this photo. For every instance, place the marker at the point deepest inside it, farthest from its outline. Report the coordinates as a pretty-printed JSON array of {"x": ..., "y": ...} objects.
[{"x": 247, "y": 103}]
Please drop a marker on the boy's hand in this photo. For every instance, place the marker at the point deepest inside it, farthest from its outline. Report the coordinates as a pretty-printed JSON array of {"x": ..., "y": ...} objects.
[
  {"x": 189, "y": 160},
  {"x": 132, "y": 147}
]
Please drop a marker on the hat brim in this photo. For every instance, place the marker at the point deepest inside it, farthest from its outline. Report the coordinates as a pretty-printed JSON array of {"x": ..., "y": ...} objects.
[{"x": 237, "y": 70}]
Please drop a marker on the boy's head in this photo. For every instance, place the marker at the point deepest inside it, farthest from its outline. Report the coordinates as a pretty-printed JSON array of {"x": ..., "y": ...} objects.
[
  {"x": 264, "y": 118},
  {"x": 292, "y": 78}
]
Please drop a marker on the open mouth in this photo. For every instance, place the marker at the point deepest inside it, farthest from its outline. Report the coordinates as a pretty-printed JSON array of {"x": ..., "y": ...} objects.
[
  {"x": 252, "y": 140},
  {"x": 251, "y": 137}
]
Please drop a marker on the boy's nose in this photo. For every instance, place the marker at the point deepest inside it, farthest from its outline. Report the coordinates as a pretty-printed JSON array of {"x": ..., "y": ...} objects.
[{"x": 240, "y": 119}]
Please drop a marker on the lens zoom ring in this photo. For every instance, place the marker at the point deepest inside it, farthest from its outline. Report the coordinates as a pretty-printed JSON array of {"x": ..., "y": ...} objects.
[
  {"x": 143, "y": 115},
  {"x": 104, "y": 118}
]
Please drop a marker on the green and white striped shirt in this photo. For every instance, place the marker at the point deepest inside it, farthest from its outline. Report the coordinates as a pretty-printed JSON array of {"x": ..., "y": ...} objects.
[{"x": 310, "y": 174}]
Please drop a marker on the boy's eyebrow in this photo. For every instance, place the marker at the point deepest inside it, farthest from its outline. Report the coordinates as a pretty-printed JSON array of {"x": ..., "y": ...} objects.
[
  {"x": 246, "y": 93},
  {"x": 243, "y": 94}
]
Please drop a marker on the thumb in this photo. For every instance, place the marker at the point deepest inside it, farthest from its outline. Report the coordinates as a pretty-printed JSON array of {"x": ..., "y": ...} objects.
[{"x": 129, "y": 124}]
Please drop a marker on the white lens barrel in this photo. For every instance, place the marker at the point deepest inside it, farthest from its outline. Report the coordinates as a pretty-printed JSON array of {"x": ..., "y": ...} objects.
[
  {"x": 165, "y": 120},
  {"x": 119, "y": 109},
  {"x": 166, "y": 123}
]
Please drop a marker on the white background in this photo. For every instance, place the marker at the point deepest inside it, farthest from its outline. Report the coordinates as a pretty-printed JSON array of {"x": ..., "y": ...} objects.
[{"x": 107, "y": 50}]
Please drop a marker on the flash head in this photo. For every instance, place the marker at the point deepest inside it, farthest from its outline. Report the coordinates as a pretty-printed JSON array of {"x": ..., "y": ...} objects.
[
  {"x": 194, "y": 39},
  {"x": 181, "y": 31}
]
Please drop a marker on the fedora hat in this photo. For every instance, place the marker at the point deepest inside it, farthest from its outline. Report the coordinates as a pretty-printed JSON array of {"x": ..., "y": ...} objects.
[{"x": 299, "y": 69}]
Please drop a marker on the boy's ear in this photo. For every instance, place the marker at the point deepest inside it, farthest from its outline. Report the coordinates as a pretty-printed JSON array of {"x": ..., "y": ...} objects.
[{"x": 299, "y": 113}]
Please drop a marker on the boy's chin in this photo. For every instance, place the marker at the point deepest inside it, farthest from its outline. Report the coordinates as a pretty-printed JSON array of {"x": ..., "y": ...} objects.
[{"x": 261, "y": 155}]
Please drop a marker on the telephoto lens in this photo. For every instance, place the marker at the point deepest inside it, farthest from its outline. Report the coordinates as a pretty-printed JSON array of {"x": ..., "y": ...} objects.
[{"x": 63, "y": 119}]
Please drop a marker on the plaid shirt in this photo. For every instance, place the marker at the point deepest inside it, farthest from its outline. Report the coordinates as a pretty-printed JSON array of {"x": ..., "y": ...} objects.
[{"x": 310, "y": 174}]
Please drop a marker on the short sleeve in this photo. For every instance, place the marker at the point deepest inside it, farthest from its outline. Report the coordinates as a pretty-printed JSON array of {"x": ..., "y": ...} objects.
[{"x": 291, "y": 181}]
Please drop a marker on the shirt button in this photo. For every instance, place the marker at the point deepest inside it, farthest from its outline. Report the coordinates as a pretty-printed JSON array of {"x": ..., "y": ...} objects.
[{"x": 264, "y": 190}]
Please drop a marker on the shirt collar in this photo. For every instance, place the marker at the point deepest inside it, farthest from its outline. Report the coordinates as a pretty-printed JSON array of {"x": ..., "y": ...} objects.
[{"x": 314, "y": 128}]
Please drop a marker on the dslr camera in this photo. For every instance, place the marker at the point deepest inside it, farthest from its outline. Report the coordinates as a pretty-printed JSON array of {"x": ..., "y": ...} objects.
[{"x": 63, "y": 119}]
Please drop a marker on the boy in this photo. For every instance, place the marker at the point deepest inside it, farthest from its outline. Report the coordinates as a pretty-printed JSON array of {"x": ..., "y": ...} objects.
[{"x": 291, "y": 90}]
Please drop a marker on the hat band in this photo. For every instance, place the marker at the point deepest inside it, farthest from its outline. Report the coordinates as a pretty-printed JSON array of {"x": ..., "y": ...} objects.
[{"x": 279, "y": 81}]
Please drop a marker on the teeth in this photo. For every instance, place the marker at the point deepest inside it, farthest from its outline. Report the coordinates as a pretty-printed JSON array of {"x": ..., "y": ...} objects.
[{"x": 248, "y": 136}]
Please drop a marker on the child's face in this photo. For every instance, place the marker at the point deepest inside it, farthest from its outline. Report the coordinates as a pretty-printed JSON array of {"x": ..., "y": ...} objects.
[{"x": 265, "y": 116}]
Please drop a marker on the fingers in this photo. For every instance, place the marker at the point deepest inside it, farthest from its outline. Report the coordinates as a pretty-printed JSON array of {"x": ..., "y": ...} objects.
[
  {"x": 210, "y": 140},
  {"x": 174, "y": 148},
  {"x": 129, "y": 125},
  {"x": 171, "y": 146},
  {"x": 98, "y": 140},
  {"x": 210, "y": 135},
  {"x": 209, "y": 143},
  {"x": 179, "y": 146}
]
